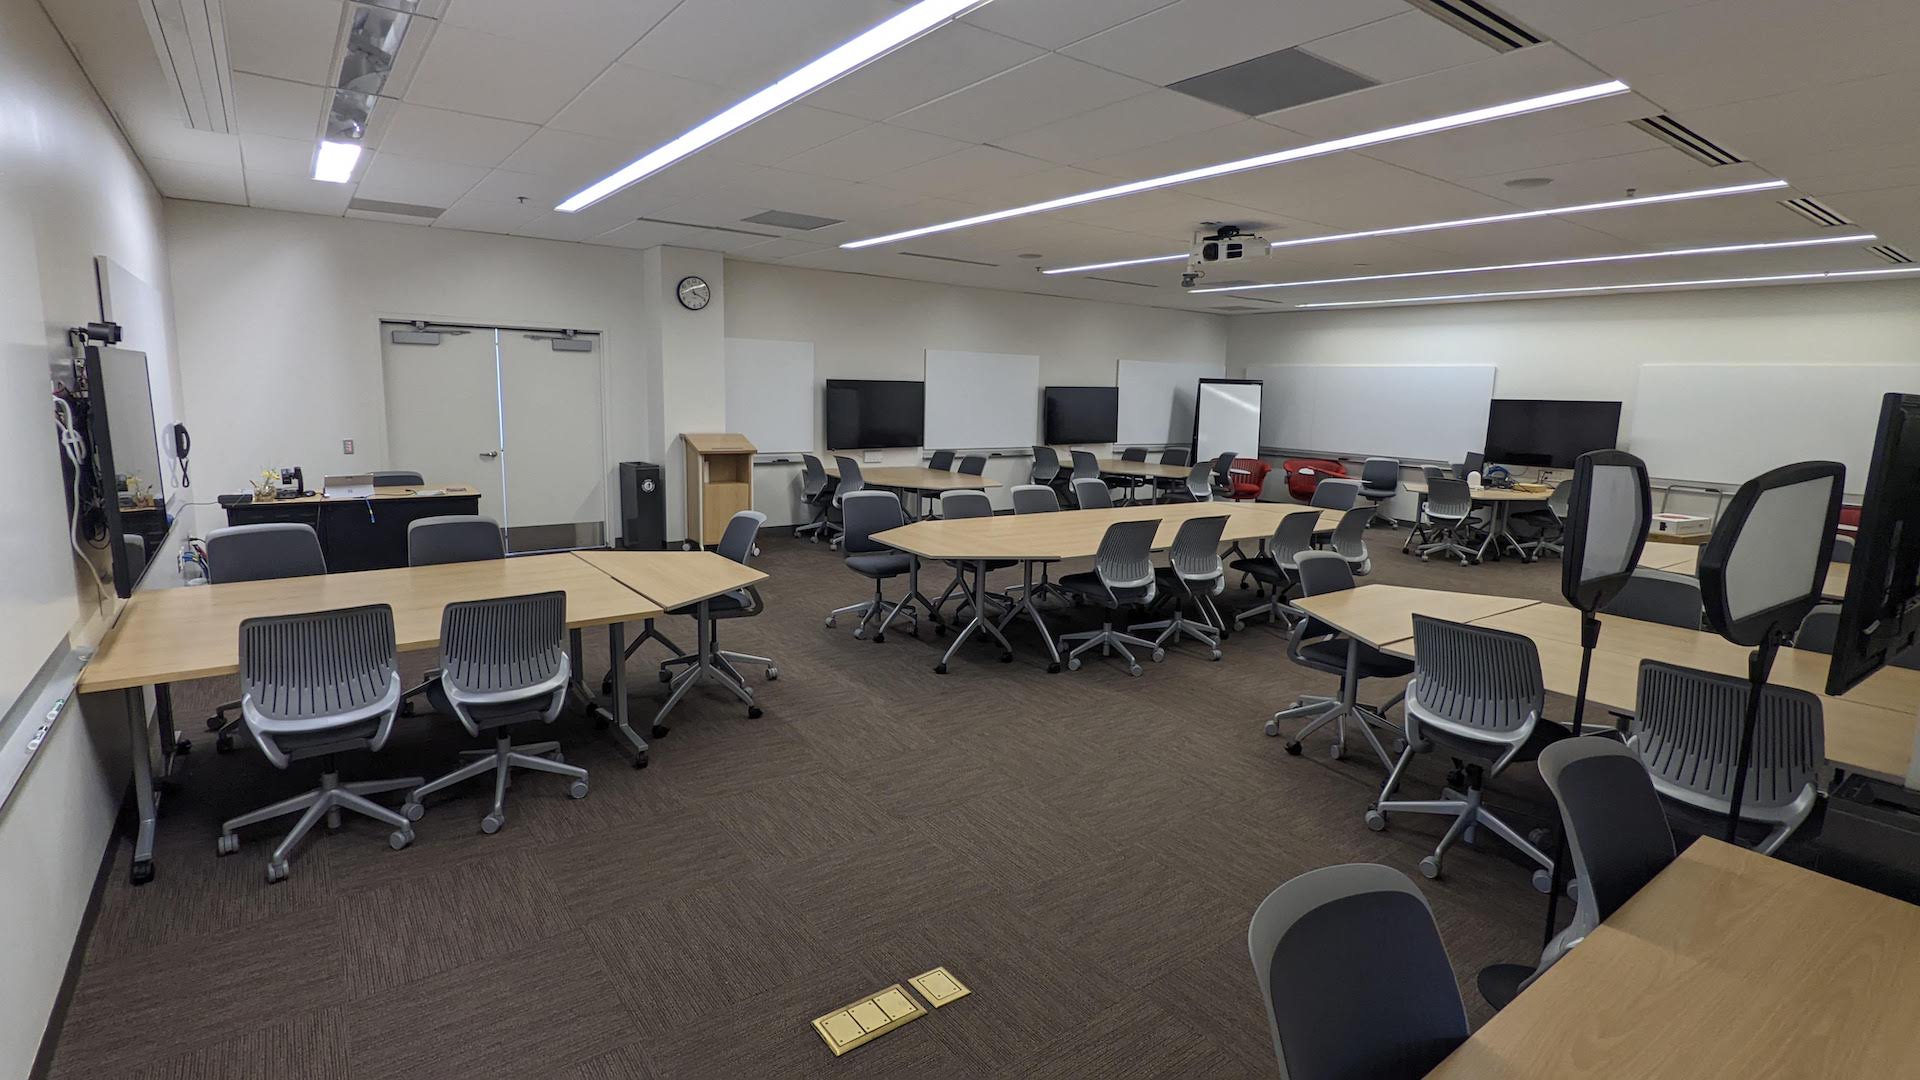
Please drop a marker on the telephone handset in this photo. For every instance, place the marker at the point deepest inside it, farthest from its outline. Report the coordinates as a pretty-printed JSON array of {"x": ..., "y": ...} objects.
[{"x": 182, "y": 446}]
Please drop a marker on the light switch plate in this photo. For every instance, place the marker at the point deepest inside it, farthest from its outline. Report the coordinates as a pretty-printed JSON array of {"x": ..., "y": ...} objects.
[{"x": 346, "y": 446}]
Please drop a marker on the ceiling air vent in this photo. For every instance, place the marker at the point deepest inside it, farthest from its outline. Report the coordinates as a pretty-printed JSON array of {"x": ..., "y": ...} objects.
[
  {"x": 412, "y": 210},
  {"x": 192, "y": 44},
  {"x": 1480, "y": 22},
  {"x": 787, "y": 219},
  {"x": 946, "y": 258},
  {"x": 1816, "y": 211},
  {"x": 1686, "y": 140},
  {"x": 1890, "y": 253}
]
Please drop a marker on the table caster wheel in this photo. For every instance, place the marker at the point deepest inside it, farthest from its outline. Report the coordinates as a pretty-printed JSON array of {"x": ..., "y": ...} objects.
[
  {"x": 1216, "y": 654},
  {"x": 227, "y": 844},
  {"x": 142, "y": 873},
  {"x": 276, "y": 872},
  {"x": 1430, "y": 868},
  {"x": 658, "y": 731},
  {"x": 1272, "y": 729},
  {"x": 830, "y": 622},
  {"x": 773, "y": 673},
  {"x": 1136, "y": 671},
  {"x": 400, "y": 838},
  {"x": 182, "y": 745},
  {"x": 406, "y": 708},
  {"x": 223, "y": 743},
  {"x": 1336, "y": 752},
  {"x": 1006, "y": 658},
  {"x": 577, "y": 789},
  {"x": 1053, "y": 669},
  {"x": 413, "y": 811},
  {"x": 490, "y": 824},
  {"x": 1293, "y": 748},
  {"x": 606, "y": 684},
  {"x": 1542, "y": 882},
  {"x": 1376, "y": 821},
  {"x": 1073, "y": 664},
  {"x": 755, "y": 712},
  {"x": 641, "y": 761}
]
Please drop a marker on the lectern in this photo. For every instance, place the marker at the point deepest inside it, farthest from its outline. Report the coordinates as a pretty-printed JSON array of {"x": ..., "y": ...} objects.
[{"x": 719, "y": 483}]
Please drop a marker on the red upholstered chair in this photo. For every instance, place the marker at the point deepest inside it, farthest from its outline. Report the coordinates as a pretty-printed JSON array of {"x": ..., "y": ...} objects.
[
  {"x": 1304, "y": 475},
  {"x": 1249, "y": 475}
]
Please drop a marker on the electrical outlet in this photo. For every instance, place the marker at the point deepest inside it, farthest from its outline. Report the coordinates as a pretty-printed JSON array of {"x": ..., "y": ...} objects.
[
  {"x": 346, "y": 446},
  {"x": 871, "y": 456}
]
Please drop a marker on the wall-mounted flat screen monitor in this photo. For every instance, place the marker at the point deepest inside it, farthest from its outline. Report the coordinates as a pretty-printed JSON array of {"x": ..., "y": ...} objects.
[
  {"x": 1082, "y": 414},
  {"x": 868, "y": 414},
  {"x": 1549, "y": 434},
  {"x": 1880, "y": 616}
]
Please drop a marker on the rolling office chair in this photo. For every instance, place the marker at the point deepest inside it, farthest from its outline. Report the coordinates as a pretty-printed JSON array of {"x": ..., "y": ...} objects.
[
  {"x": 1423, "y": 529},
  {"x": 1047, "y": 470},
  {"x": 972, "y": 465},
  {"x": 1822, "y": 625},
  {"x": 1617, "y": 836},
  {"x": 1193, "y": 568},
  {"x": 1220, "y": 474},
  {"x": 1477, "y": 694},
  {"x": 851, "y": 481},
  {"x": 1133, "y": 484},
  {"x": 815, "y": 494},
  {"x": 503, "y": 662},
  {"x": 1476, "y": 463},
  {"x": 452, "y": 538},
  {"x": 1350, "y": 539},
  {"x": 317, "y": 685},
  {"x": 1336, "y": 493},
  {"x": 1553, "y": 521},
  {"x": 1197, "y": 487},
  {"x": 866, "y": 513},
  {"x": 1277, "y": 568},
  {"x": 1318, "y": 647},
  {"x": 1092, "y": 493},
  {"x": 737, "y": 544},
  {"x": 1355, "y": 978},
  {"x": 1687, "y": 733},
  {"x": 1380, "y": 481},
  {"x": 1087, "y": 467},
  {"x": 1038, "y": 499},
  {"x": 257, "y": 553},
  {"x": 1172, "y": 455},
  {"x": 1657, "y": 596},
  {"x": 941, "y": 461},
  {"x": 959, "y": 506},
  {"x": 398, "y": 478},
  {"x": 1122, "y": 577},
  {"x": 1449, "y": 514}
]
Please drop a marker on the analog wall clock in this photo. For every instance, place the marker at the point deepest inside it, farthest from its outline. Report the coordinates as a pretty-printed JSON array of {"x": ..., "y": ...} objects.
[{"x": 694, "y": 293}]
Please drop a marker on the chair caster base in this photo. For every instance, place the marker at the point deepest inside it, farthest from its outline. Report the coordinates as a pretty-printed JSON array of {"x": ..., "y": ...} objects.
[
  {"x": 407, "y": 709},
  {"x": 658, "y": 731},
  {"x": 640, "y": 762},
  {"x": 1053, "y": 669},
  {"x": 227, "y": 844},
  {"x": 1293, "y": 748},
  {"x": 830, "y": 622},
  {"x": 577, "y": 790},
  {"x": 276, "y": 872},
  {"x": 223, "y": 743},
  {"x": 182, "y": 745},
  {"x": 1272, "y": 729},
  {"x": 142, "y": 873},
  {"x": 400, "y": 838},
  {"x": 1136, "y": 671},
  {"x": 413, "y": 811},
  {"x": 1006, "y": 658},
  {"x": 1430, "y": 868},
  {"x": 773, "y": 673},
  {"x": 939, "y": 669},
  {"x": 1336, "y": 752},
  {"x": 214, "y": 723},
  {"x": 1073, "y": 664},
  {"x": 491, "y": 823},
  {"x": 1542, "y": 882},
  {"x": 1376, "y": 821},
  {"x": 878, "y": 639}
]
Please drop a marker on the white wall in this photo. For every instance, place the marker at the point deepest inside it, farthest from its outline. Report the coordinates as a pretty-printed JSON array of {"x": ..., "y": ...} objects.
[
  {"x": 69, "y": 190},
  {"x": 880, "y": 328},
  {"x": 279, "y": 334},
  {"x": 689, "y": 391}
]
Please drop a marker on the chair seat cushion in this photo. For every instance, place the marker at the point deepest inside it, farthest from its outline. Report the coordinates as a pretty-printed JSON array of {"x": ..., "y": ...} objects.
[
  {"x": 1261, "y": 568},
  {"x": 880, "y": 564},
  {"x": 719, "y": 607},
  {"x": 1089, "y": 585},
  {"x": 1374, "y": 664}
]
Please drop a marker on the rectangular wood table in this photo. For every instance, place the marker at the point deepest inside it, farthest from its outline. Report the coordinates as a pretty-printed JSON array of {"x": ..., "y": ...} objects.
[
  {"x": 916, "y": 480},
  {"x": 1500, "y": 501},
  {"x": 1138, "y": 471},
  {"x": 1728, "y": 965}
]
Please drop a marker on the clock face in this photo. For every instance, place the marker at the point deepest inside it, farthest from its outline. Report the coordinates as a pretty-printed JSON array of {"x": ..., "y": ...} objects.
[{"x": 694, "y": 293}]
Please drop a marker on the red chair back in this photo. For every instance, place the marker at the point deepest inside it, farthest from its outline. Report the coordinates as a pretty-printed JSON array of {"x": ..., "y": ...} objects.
[{"x": 1304, "y": 475}]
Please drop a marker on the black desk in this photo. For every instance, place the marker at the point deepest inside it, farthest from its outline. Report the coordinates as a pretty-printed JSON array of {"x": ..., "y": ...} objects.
[{"x": 360, "y": 534}]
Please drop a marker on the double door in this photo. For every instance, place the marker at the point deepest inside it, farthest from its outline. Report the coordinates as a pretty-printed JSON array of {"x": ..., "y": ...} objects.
[{"x": 514, "y": 413}]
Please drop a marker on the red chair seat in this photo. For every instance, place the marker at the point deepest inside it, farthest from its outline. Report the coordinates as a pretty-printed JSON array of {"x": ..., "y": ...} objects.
[
  {"x": 1249, "y": 480},
  {"x": 1305, "y": 474}
]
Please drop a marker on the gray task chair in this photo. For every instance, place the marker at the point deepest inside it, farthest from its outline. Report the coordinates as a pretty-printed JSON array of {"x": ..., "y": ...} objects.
[
  {"x": 851, "y": 482},
  {"x": 257, "y": 553},
  {"x": 1822, "y": 625},
  {"x": 1038, "y": 499},
  {"x": 1085, "y": 465},
  {"x": 503, "y": 662},
  {"x": 736, "y": 544},
  {"x": 1449, "y": 517},
  {"x": 1553, "y": 521},
  {"x": 1172, "y": 455},
  {"x": 318, "y": 685},
  {"x": 866, "y": 513},
  {"x": 1319, "y": 647},
  {"x": 1197, "y": 487},
  {"x": 1277, "y": 568},
  {"x": 972, "y": 465},
  {"x": 1122, "y": 577},
  {"x": 959, "y": 506},
  {"x": 1659, "y": 597},
  {"x": 1092, "y": 493},
  {"x": 815, "y": 494},
  {"x": 1355, "y": 977},
  {"x": 398, "y": 478},
  {"x": 453, "y": 538},
  {"x": 940, "y": 461},
  {"x": 1336, "y": 493},
  {"x": 1193, "y": 572},
  {"x": 1046, "y": 468},
  {"x": 1380, "y": 481},
  {"x": 1350, "y": 539},
  {"x": 1687, "y": 732},
  {"x": 1476, "y": 694}
]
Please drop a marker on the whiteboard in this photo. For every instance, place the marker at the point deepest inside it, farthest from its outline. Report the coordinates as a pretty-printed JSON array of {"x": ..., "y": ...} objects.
[
  {"x": 1229, "y": 420},
  {"x": 1433, "y": 412},
  {"x": 1727, "y": 423},
  {"x": 1156, "y": 399},
  {"x": 981, "y": 401},
  {"x": 770, "y": 396}
]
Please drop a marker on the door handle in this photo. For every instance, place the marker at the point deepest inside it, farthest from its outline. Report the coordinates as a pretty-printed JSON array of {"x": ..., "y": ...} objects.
[{"x": 489, "y": 453}]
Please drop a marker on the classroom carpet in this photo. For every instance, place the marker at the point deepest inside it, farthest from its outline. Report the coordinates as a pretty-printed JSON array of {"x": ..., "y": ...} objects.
[{"x": 1082, "y": 849}]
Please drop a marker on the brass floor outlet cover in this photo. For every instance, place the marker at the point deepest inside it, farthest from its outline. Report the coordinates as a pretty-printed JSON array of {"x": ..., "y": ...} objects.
[
  {"x": 939, "y": 986},
  {"x": 869, "y": 1018}
]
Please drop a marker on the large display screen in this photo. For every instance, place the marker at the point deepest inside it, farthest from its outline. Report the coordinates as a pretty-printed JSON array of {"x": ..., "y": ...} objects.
[
  {"x": 1549, "y": 434},
  {"x": 866, "y": 414},
  {"x": 1082, "y": 414}
]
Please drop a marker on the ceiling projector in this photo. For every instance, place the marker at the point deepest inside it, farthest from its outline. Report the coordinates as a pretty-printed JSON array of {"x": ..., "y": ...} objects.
[{"x": 1225, "y": 245}]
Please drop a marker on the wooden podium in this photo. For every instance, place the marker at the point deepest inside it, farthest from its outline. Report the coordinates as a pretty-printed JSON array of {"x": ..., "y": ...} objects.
[{"x": 719, "y": 483}]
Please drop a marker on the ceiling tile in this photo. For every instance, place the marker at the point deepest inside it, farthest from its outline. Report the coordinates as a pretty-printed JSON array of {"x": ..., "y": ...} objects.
[
  {"x": 1195, "y": 36},
  {"x": 266, "y": 106},
  {"x": 393, "y": 178},
  {"x": 783, "y": 248},
  {"x": 176, "y": 141},
  {"x": 1035, "y": 93},
  {"x": 193, "y": 180},
  {"x": 506, "y": 78},
  {"x": 271, "y": 154},
  {"x": 483, "y": 215},
  {"x": 803, "y": 193},
  {"x": 582, "y": 158},
  {"x": 874, "y": 150},
  {"x": 750, "y": 44},
  {"x": 1648, "y": 172},
  {"x": 596, "y": 31},
  {"x": 1059, "y": 23},
  {"x": 1124, "y": 125},
  {"x": 273, "y": 191},
  {"x": 1526, "y": 142},
  {"x": 1401, "y": 47},
  {"x": 1194, "y": 149},
  {"x": 962, "y": 171},
  {"x": 1559, "y": 18},
  {"x": 646, "y": 234},
  {"x": 417, "y": 131},
  {"x": 283, "y": 39},
  {"x": 947, "y": 60},
  {"x": 1862, "y": 112},
  {"x": 502, "y": 186},
  {"x": 793, "y": 130},
  {"x": 640, "y": 107}
]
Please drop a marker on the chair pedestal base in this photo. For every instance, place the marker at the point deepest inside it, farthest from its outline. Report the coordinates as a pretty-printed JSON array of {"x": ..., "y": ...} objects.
[
  {"x": 1109, "y": 641},
  {"x": 1469, "y": 814},
  {"x": 499, "y": 761},
  {"x": 324, "y": 803}
]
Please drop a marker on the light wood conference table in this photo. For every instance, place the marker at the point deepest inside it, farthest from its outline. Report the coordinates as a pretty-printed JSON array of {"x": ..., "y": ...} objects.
[
  {"x": 916, "y": 479},
  {"x": 1501, "y": 501},
  {"x": 1728, "y": 965},
  {"x": 1686, "y": 560},
  {"x": 1148, "y": 471}
]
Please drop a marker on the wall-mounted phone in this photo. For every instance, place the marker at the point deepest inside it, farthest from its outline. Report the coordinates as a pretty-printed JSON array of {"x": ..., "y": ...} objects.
[{"x": 182, "y": 446}]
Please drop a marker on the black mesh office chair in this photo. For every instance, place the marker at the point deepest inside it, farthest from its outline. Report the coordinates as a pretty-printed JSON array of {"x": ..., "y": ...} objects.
[
  {"x": 867, "y": 513},
  {"x": 940, "y": 461}
]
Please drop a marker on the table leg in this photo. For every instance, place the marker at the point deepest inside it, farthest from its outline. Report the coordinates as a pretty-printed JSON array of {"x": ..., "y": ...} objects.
[
  {"x": 703, "y": 668},
  {"x": 1027, "y": 605},
  {"x": 146, "y": 804},
  {"x": 617, "y": 656},
  {"x": 980, "y": 621},
  {"x": 914, "y": 593}
]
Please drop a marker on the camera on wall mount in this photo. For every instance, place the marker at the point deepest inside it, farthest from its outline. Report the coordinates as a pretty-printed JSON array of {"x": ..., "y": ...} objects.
[
  {"x": 106, "y": 333},
  {"x": 1225, "y": 245}
]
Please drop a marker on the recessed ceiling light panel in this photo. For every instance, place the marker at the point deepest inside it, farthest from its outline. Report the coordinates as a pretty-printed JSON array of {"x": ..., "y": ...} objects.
[{"x": 1765, "y": 279}]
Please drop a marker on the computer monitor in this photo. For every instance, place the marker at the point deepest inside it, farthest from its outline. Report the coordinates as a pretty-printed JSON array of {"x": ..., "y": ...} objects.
[{"x": 1880, "y": 615}]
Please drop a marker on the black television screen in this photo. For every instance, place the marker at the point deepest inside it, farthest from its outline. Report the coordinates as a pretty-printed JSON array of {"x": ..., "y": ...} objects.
[
  {"x": 1880, "y": 615},
  {"x": 1082, "y": 414},
  {"x": 1549, "y": 434},
  {"x": 866, "y": 414}
]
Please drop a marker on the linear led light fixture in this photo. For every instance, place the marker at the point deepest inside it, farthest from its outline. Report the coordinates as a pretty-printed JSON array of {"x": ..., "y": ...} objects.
[
  {"x": 1461, "y": 223},
  {"x": 334, "y": 161},
  {"x": 922, "y": 18},
  {"x": 1298, "y": 153},
  {"x": 1586, "y": 260},
  {"x": 1824, "y": 275}
]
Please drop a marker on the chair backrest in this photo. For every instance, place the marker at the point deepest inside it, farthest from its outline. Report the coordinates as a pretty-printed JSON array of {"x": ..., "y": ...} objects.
[
  {"x": 1614, "y": 824},
  {"x": 1046, "y": 465},
  {"x": 454, "y": 538},
  {"x": 1085, "y": 465},
  {"x": 1200, "y": 481},
  {"x": 864, "y": 513},
  {"x": 1562, "y": 497},
  {"x": 1320, "y": 573},
  {"x": 813, "y": 476},
  {"x": 959, "y": 505},
  {"x": 1822, "y": 625},
  {"x": 1336, "y": 493},
  {"x": 1355, "y": 977},
  {"x": 1291, "y": 538},
  {"x": 505, "y": 649},
  {"x": 736, "y": 541},
  {"x": 398, "y": 478},
  {"x": 1035, "y": 499},
  {"x": 1475, "y": 681},
  {"x": 281, "y": 549},
  {"x": 1842, "y": 549},
  {"x": 1430, "y": 473},
  {"x": 1448, "y": 498},
  {"x": 1134, "y": 453},
  {"x": 1174, "y": 455},
  {"x": 1195, "y": 554},
  {"x": 1687, "y": 731},
  {"x": 1124, "y": 561},
  {"x": 1350, "y": 537},
  {"x": 1380, "y": 472},
  {"x": 850, "y": 478},
  {"x": 1091, "y": 493},
  {"x": 941, "y": 461},
  {"x": 317, "y": 670},
  {"x": 973, "y": 465},
  {"x": 1476, "y": 463},
  {"x": 135, "y": 546},
  {"x": 1659, "y": 597},
  {"x": 1223, "y": 469}
]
